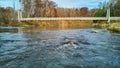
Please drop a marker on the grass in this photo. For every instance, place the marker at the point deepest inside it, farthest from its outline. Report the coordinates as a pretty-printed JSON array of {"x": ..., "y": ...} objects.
[
  {"x": 100, "y": 25},
  {"x": 114, "y": 27},
  {"x": 50, "y": 24}
]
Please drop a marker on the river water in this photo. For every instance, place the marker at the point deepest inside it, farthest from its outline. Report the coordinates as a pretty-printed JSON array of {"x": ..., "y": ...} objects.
[{"x": 22, "y": 47}]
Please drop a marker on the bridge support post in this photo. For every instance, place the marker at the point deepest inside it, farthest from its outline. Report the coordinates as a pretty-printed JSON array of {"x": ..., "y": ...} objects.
[
  {"x": 108, "y": 12},
  {"x": 108, "y": 15},
  {"x": 18, "y": 16}
]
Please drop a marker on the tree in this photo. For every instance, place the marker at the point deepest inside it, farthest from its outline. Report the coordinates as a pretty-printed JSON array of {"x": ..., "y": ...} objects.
[
  {"x": 115, "y": 8},
  {"x": 38, "y": 8},
  {"x": 6, "y": 14},
  {"x": 84, "y": 11}
]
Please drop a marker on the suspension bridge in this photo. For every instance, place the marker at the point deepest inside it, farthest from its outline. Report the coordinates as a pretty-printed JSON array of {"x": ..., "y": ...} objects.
[
  {"x": 20, "y": 18},
  {"x": 107, "y": 18}
]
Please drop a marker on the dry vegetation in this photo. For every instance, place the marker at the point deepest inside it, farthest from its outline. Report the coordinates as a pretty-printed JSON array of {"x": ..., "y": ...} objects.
[{"x": 54, "y": 24}]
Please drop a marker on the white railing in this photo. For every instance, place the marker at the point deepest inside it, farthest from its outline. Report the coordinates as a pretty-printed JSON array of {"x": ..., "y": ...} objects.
[
  {"x": 69, "y": 18},
  {"x": 108, "y": 18}
]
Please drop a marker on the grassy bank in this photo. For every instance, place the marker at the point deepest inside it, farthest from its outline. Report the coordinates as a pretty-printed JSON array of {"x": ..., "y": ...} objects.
[
  {"x": 63, "y": 24},
  {"x": 100, "y": 25},
  {"x": 56, "y": 24},
  {"x": 114, "y": 27}
]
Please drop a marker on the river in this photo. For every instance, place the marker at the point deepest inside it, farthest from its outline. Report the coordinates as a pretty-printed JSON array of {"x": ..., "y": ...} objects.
[{"x": 22, "y": 47}]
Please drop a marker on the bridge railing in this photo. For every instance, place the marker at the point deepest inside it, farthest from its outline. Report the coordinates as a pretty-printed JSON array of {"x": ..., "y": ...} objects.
[
  {"x": 107, "y": 18},
  {"x": 69, "y": 18}
]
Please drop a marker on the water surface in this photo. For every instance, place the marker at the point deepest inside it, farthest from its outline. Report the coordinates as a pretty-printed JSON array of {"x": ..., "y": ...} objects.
[{"x": 22, "y": 47}]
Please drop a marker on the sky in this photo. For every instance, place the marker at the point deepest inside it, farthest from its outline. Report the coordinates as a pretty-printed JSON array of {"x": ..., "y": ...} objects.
[
  {"x": 61, "y": 3},
  {"x": 10, "y": 3},
  {"x": 78, "y": 3}
]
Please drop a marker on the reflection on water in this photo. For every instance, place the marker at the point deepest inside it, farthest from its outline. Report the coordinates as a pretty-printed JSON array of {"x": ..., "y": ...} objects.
[{"x": 22, "y": 47}]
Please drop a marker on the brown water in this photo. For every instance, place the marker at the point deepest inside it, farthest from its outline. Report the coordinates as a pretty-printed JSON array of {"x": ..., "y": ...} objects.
[{"x": 22, "y": 47}]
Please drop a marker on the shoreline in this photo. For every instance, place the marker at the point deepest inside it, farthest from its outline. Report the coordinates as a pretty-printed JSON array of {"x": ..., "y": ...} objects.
[{"x": 113, "y": 27}]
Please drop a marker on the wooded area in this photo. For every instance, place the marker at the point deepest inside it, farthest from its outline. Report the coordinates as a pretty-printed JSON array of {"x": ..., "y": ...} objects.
[{"x": 48, "y": 8}]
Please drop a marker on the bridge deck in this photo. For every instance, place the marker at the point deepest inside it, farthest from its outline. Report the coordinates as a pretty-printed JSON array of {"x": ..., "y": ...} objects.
[{"x": 69, "y": 18}]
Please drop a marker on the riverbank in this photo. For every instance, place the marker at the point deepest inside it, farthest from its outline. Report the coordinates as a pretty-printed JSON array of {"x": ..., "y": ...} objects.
[
  {"x": 63, "y": 24},
  {"x": 51, "y": 24},
  {"x": 114, "y": 27}
]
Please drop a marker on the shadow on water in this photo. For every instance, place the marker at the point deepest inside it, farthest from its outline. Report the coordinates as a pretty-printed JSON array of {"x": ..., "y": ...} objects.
[{"x": 29, "y": 47}]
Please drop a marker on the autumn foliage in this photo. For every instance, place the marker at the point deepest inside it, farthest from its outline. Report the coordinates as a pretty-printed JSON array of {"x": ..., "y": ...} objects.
[{"x": 48, "y": 8}]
